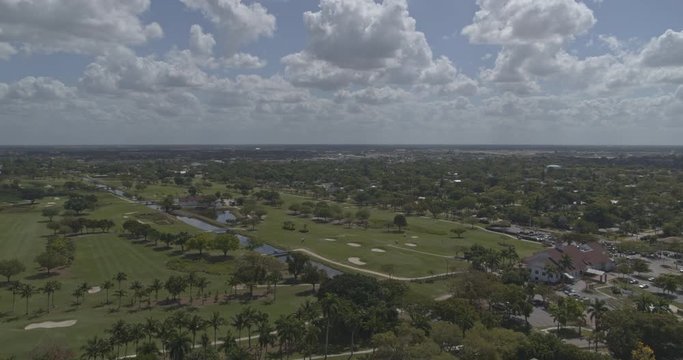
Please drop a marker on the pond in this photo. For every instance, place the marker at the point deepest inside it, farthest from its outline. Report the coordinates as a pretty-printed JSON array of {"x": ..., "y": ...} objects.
[{"x": 225, "y": 217}]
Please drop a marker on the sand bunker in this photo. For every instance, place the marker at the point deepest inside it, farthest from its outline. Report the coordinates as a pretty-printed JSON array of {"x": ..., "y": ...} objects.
[
  {"x": 131, "y": 213},
  {"x": 378, "y": 250},
  {"x": 125, "y": 217},
  {"x": 410, "y": 244},
  {"x": 331, "y": 240},
  {"x": 51, "y": 203},
  {"x": 55, "y": 198},
  {"x": 353, "y": 244},
  {"x": 94, "y": 290},
  {"x": 51, "y": 325},
  {"x": 355, "y": 261},
  {"x": 414, "y": 237}
]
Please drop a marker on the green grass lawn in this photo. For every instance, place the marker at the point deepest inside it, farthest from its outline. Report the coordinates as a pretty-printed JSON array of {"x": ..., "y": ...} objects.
[
  {"x": 98, "y": 258},
  {"x": 431, "y": 239}
]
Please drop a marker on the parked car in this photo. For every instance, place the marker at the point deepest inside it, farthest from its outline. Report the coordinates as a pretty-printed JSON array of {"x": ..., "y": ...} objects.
[
  {"x": 643, "y": 286},
  {"x": 632, "y": 281},
  {"x": 651, "y": 278}
]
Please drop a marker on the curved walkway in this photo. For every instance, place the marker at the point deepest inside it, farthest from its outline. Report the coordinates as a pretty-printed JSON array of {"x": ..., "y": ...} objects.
[
  {"x": 371, "y": 272},
  {"x": 421, "y": 252}
]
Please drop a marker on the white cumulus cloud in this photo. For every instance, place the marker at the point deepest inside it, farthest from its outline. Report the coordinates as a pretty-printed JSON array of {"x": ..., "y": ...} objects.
[
  {"x": 237, "y": 23},
  {"x": 74, "y": 26}
]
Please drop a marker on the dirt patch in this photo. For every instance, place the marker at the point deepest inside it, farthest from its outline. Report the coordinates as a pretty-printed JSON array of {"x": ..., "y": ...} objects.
[
  {"x": 355, "y": 261},
  {"x": 411, "y": 244},
  {"x": 353, "y": 244},
  {"x": 378, "y": 250},
  {"x": 414, "y": 237},
  {"x": 330, "y": 240},
  {"x": 94, "y": 290},
  {"x": 51, "y": 324}
]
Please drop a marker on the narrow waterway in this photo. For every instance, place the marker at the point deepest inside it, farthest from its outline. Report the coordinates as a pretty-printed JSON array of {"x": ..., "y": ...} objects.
[{"x": 223, "y": 217}]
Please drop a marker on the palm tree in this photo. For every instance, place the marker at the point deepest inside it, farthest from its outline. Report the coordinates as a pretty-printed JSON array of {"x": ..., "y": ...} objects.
[
  {"x": 239, "y": 322},
  {"x": 229, "y": 345},
  {"x": 119, "y": 334},
  {"x": 15, "y": 288},
  {"x": 205, "y": 342},
  {"x": 79, "y": 292},
  {"x": 120, "y": 293},
  {"x": 106, "y": 286},
  {"x": 510, "y": 254},
  {"x": 179, "y": 319},
  {"x": 137, "y": 333},
  {"x": 310, "y": 340},
  {"x": 120, "y": 277},
  {"x": 151, "y": 327},
  {"x": 248, "y": 320},
  {"x": 288, "y": 329},
  {"x": 202, "y": 283},
  {"x": 643, "y": 302},
  {"x": 216, "y": 321},
  {"x": 330, "y": 308},
  {"x": 178, "y": 345},
  {"x": 565, "y": 263},
  {"x": 552, "y": 271},
  {"x": 266, "y": 336},
  {"x": 156, "y": 286},
  {"x": 49, "y": 289},
  {"x": 352, "y": 319},
  {"x": 148, "y": 350},
  {"x": 191, "y": 281},
  {"x": 233, "y": 282},
  {"x": 135, "y": 287},
  {"x": 195, "y": 324},
  {"x": 91, "y": 349},
  {"x": 273, "y": 278},
  {"x": 596, "y": 310},
  {"x": 26, "y": 292}
]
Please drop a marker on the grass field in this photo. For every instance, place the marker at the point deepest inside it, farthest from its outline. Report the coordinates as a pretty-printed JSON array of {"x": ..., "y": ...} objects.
[
  {"x": 98, "y": 258},
  {"x": 433, "y": 243},
  {"x": 432, "y": 238}
]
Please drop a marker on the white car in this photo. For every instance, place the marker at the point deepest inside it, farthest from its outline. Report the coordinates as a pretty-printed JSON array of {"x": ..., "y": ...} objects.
[{"x": 643, "y": 286}]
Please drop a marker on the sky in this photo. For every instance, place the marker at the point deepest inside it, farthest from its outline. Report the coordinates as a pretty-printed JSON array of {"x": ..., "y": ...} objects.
[{"x": 591, "y": 72}]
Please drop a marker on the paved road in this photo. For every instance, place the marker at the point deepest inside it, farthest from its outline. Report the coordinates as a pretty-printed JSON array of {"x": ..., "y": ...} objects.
[{"x": 540, "y": 318}]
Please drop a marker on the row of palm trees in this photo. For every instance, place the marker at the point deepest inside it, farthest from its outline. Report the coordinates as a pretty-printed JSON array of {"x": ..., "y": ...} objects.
[
  {"x": 488, "y": 259},
  {"x": 26, "y": 291},
  {"x": 569, "y": 310},
  {"x": 184, "y": 332},
  {"x": 175, "y": 286}
]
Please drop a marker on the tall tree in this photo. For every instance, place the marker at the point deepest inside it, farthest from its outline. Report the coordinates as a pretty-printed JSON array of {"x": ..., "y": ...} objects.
[
  {"x": 216, "y": 321},
  {"x": 400, "y": 221},
  {"x": 120, "y": 277},
  {"x": 49, "y": 289},
  {"x": 596, "y": 310},
  {"x": 11, "y": 267},
  {"x": 296, "y": 264},
  {"x": 106, "y": 286},
  {"x": 225, "y": 243},
  {"x": 26, "y": 292}
]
